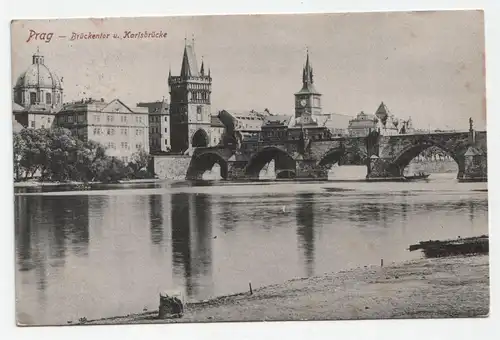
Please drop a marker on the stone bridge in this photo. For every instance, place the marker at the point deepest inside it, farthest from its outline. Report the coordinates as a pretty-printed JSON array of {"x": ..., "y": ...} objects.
[{"x": 304, "y": 158}]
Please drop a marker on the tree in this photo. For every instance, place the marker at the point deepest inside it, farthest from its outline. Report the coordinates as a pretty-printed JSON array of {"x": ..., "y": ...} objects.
[{"x": 139, "y": 164}]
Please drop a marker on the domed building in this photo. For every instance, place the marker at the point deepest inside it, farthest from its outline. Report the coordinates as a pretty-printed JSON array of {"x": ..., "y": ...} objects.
[
  {"x": 362, "y": 125},
  {"x": 38, "y": 95}
]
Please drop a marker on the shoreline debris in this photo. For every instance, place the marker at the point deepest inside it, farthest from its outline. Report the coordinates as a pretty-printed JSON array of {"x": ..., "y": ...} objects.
[{"x": 459, "y": 246}]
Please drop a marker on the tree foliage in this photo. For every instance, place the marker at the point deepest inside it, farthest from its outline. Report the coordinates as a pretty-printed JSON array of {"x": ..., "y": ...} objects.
[{"x": 56, "y": 155}]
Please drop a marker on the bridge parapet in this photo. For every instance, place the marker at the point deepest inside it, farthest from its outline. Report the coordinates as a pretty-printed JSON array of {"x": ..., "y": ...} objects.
[{"x": 385, "y": 156}]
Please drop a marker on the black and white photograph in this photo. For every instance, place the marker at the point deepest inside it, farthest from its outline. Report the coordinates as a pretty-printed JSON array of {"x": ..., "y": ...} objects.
[{"x": 266, "y": 167}]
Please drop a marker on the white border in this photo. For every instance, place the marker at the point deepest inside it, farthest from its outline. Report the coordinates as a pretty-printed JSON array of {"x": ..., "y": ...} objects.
[{"x": 408, "y": 329}]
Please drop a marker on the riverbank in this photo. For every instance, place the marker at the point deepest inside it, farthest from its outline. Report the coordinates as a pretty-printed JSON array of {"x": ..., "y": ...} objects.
[
  {"x": 31, "y": 184},
  {"x": 426, "y": 288}
]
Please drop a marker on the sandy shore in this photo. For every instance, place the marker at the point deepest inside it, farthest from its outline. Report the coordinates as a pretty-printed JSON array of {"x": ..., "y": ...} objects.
[{"x": 427, "y": 288}]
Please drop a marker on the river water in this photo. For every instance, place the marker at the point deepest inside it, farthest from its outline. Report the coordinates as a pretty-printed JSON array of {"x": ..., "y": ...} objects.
[{"x": 110, "y": 251}]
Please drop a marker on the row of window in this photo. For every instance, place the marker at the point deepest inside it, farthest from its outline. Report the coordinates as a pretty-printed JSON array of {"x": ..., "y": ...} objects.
[
  {"x": 73, "y": 118},
  {"x": 156, "y": 130},
  {"x": 156, "y": 119},
  {"x": 32, "y": 123},
  {"x": 200, "y": 95},
  {"x": 111, "y": 131},
  {"x": 156, "y": 142},
  {"x": 124, "y": 145},
  {"x": 111, "y": 118},
  {"x": 48, "y": 98}
]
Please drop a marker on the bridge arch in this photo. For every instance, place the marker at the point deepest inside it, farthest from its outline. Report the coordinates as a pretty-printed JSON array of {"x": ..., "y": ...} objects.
[
  {"x": 200, "y": 139},
  {"x": 405, "y": 156},
  {"x": 205, "y": 162},
  {"x": 333, "y": 156},
  {"x": 283, "y": 162}
]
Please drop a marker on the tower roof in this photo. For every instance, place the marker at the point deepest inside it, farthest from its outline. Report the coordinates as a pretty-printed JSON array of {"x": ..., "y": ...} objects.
[
  {"x": 38, "y": 75},
  {"x": 189, "y": 66},
  {"x": 382, "y": 110},
  {"x": 307, "y": 78}
]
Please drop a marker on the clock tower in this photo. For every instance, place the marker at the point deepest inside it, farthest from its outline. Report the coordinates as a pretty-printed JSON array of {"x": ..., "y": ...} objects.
[{"x": 307, "y": 100}]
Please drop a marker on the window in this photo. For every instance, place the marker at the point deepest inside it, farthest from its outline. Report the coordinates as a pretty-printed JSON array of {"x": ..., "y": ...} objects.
[
  {"x": 48, "y": 98},
  {"x": 124, "y": 145},
  {"x": 138, "y": 146},
  {"x": 198, "y": 112},
  {"x": 166, "y": 130},
  {"x": 124, "y": 119},
  {"x": 166, "y": 141},
  {"x": 166, "y": 119},
  {"x": 58, "y": 98},
  {"x": 81, "y": 118},
  {"x": 110, "y": 118},
  {"x": 70, "y": 119},
  {"x": 108, "y": 131},
  {"x": 48, "y": 120},
  {"x": 32, "y": 97}
]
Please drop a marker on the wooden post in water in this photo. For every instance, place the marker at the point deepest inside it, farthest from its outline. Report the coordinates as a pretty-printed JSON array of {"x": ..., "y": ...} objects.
[
  {"x": 381, "y": 262},
  {"x": 250, "y": 286}
]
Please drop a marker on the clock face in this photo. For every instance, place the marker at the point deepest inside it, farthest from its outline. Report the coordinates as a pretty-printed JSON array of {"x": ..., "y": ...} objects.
[{"x": 303, "y": 102}]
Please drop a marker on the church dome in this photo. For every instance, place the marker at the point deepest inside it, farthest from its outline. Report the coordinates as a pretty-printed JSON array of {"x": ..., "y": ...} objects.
[{"x": 38, "y": 75}]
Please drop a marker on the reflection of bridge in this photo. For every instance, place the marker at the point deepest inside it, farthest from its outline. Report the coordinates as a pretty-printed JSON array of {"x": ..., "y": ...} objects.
[{"x": 305, "y": 157}]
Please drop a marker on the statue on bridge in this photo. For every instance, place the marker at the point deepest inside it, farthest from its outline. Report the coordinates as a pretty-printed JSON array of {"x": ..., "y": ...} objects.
[{"x": 470, "y": 124}]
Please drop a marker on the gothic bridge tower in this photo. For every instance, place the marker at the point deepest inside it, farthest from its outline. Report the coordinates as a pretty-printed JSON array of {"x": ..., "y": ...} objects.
[
  {"x": 190, "y": 103},
  {"x": 307, "y": 100}
]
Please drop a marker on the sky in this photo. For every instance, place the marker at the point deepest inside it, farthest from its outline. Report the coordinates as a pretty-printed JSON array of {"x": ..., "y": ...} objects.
[{"x": 425, "y": 65}]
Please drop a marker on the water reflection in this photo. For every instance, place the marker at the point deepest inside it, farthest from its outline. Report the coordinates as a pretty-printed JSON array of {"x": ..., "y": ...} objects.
[
  {"x": 305, "y": 229},
  {"x": 156, "y": 218},
  {"x": 43, "y": 238},
  {"x": 192, "y": 241}
]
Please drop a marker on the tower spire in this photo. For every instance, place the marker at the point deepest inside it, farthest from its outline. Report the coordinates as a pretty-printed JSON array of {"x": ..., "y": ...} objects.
[
  {"x": 189, "y": 66},
  {"x": 307, "y": 74}
]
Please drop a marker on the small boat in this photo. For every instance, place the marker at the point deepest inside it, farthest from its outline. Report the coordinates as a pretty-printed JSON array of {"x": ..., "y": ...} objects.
[{"x": 417, "y": 176}]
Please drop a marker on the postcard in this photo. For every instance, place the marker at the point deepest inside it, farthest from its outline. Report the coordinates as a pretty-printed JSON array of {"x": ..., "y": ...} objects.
[{"x": 250, "y": 168}]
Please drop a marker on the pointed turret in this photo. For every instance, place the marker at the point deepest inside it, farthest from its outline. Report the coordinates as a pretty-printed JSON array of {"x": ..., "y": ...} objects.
[{"x": 202, "y": 69}]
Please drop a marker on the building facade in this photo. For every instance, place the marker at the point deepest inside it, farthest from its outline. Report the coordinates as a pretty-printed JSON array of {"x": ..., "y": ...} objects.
[
  {"x": 159, "y": 126},
  {"x": 190, "y": 104},
  {"x": 121, "y": 129}
]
